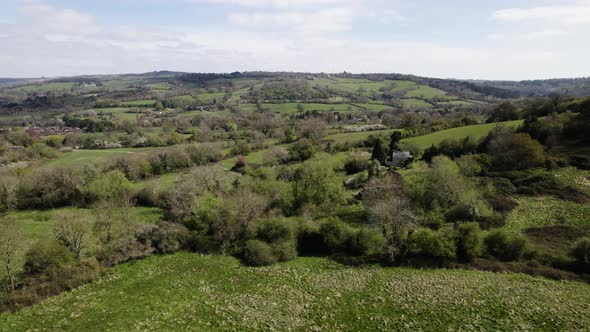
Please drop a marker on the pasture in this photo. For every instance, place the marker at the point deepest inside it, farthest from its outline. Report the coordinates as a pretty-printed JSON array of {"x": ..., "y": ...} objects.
[
  {"x": 474, "y": 131},
  {"x": 96, "y": 157},
  {"x": 193, "y": 292}
]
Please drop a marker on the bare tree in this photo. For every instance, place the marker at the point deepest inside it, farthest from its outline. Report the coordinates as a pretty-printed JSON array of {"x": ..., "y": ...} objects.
[
  {"x": 313, "y": 129},
  {"x": 395, "y": 217},
  {"x": 11, "y": 245},
  {"x": 71, "y": 232},
  {"x": 106, "y": 220},
  {"x": 8, "y": 192}
]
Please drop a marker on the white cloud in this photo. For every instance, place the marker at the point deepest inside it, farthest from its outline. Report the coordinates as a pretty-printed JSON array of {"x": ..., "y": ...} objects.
[
  {"x": 54, "y": 41},
  {"x": 279, "y": 3},
  {"x": 324, "y": 20},
  {"x": 574, "y": 14},
  {"x": 59, "y": 20}
]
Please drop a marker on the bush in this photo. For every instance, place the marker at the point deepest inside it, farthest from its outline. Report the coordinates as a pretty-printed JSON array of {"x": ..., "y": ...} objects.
[
  {"x": 168, "y": 237},
  {"x": 284, "y": 250},
  {"x": 469, "y": 242},
  {"x": 258, "y": 253},
  {"x": 432, "y": 247},
  {"x": 276, "y": 230},
  {"x": 505, "y": 246},
  {"x": 356, "y": 162},
  {"x": 336, "y": 234},
  {"x": 301, "y": 150},
  {"x": 46, "y": 256},
  {"x": 123, "y": 249},
  {"x": 580, "y": 250},
  {"x": 367, "y": 242}
]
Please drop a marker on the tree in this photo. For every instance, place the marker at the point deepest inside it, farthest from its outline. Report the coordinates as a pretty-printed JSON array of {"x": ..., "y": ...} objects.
[
  {"x": 315, "y": 183},
  {"x": 505, "y": 111},
  {"x": 71, "y": 232},
  {"x": 11, "y": 245},
  {"x": 313, "y": 129},
  {"x": 8, "y": 192},
  {"x": 515, "y": 151},
  {"x": 379, "y": 153},
  {"x": 107, "y": 222},
  {"x": 395, "y": 217},
  {"x": 302, "y": 150},
  {"x": 395, "y": 138}
]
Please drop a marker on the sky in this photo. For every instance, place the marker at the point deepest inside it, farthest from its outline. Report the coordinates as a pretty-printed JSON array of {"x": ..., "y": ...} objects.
[{"x": 465, "y": 39}]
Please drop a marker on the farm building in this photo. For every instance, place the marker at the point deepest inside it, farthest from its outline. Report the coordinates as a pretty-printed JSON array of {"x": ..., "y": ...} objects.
[{"x": 400, "y": 159}]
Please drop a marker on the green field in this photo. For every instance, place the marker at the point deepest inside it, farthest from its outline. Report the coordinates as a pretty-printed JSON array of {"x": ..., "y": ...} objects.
[
  {"x": 192, "y": 292},
  {"x": 373, "y": 107},
  {"x": 255, "y": 157},
  {"x": 427, "y": 92},
  {"x": 120, "y": 112},
  {"x": 545, "y": 211},
  {"x": 46, "y": 87},
  {"x": 369, "y": 87},
  {"x": 211, "y": 95},
  {"x": 356, "y": 137},
  {"x": 289, "y": 108},
  {"x": 92, "y": 156},
  {"x": 414, "y": 103},
  {"x": 146, "y": 103},
  {"x": 474, "y": 131}
]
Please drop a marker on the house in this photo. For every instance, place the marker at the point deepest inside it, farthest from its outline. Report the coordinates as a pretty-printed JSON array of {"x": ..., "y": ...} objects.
[{"x": 400, "y": 159}]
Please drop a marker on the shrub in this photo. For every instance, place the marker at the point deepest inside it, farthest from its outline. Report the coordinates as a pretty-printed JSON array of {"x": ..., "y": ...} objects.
[
  {"x": 367, "y": 242},
  {"x": 168, "y": 237},
  {"x": 258, "y": 253},
  {"x": 356, "y": 162},
  {"x": 276, "y": 230},
  {"x": 580, "y": 250},
  {"x": 301, "y": 150},
  {"x": 336, "y": 234},
  {"x": 436, "y": 247},
  {"x": 284, "y": 250},
  {"x": 505, "y": 246},
  {"x": 123, "y": 249},
  {"x": 45, "y": 256},
  {"x": 469, "y": 242}
]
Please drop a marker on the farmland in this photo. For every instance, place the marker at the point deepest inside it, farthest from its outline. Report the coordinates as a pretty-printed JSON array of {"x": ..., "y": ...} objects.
[
  {"x": 288, "y": 201},
  {"x": 194, "y": 292},
  {"x": 475, "y": 131}
]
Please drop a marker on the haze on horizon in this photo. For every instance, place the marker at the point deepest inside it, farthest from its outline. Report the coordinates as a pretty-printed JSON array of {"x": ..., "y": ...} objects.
[{"x": 499, "y": 40}]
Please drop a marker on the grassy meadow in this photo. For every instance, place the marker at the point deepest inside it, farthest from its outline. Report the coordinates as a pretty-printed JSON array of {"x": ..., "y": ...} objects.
[
  {"x": 192, "y": 292},
  {"x": 474, "y": 131}
]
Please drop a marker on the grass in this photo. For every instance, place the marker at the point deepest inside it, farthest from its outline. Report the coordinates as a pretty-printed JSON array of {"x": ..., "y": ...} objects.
[
  {"x": 544, "y": 211},
  {"x": 373, "y": 107},
  {"x": 353, "y": 85},
  {"x": 45, "y": 87},
  {"x": 146, "y": 103},
  {"x": 474, "y": 131},
  {"x": 255, "y": 157},
  {"x": 92, "y": 156},
  {"x": 577, "y": 178},
  {"x": 190, "y": 292},
  {"x": 414, "y": 103},
  {"x": 211, "y": 95},
  {"x": 427, "y": 92},
  {"x": 120, "y": 112},
  {"x": 356, "y": 137},
  {"x": 289, "y": 108}
]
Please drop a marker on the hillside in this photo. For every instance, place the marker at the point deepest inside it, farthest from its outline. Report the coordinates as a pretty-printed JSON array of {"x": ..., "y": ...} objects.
[{"x": 199, "y": 293}]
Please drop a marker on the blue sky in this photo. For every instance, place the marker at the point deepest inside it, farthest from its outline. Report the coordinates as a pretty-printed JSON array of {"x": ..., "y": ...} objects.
[{"x": 458, "y": 38}]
